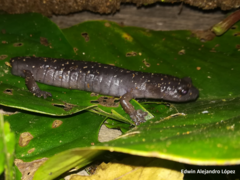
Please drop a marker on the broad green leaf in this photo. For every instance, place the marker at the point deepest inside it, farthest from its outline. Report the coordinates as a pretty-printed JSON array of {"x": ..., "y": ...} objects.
[
  {"x": 191, "y": 138},
  {"x": 203, "y": 62},
  {"x": 207, "y": 135},
  {"x": 52, "y": 135},
  {"x": 21, "y": 36},
  {"x": 38, "y": 36}
]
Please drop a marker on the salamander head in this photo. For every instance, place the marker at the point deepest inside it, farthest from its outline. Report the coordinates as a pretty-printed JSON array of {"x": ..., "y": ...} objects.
[{"x": 180, "y": 91}]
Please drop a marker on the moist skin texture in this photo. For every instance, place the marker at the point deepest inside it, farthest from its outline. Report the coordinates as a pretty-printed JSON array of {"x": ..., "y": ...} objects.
[{"x": 103, "y": 79}]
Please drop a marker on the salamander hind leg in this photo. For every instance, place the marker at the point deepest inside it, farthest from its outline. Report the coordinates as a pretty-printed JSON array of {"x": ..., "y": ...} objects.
[
  {"x": 32, "y": 85},
  {"x": 136, "y": 115}
]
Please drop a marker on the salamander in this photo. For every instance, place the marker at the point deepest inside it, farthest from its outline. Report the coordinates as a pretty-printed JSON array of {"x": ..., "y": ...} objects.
[{"x": 103, "y": 79}]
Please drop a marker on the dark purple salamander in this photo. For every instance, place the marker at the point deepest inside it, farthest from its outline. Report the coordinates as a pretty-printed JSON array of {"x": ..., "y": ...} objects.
[{"x": 103, "y": 79}]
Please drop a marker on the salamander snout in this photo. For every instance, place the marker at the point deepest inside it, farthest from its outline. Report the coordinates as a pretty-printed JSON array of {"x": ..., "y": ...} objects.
[
  {"x": 182, "y": 93},
  {"x": 191, "y": 95}
]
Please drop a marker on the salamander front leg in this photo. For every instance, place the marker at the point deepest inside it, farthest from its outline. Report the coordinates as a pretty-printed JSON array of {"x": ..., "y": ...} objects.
[
  {"x": 32, "y": 85},
  {"x": 136, "y": 115}
]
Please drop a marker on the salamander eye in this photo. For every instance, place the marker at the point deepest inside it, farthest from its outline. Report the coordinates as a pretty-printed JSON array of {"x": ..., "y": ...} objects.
[{"x": 183, "y": 91}]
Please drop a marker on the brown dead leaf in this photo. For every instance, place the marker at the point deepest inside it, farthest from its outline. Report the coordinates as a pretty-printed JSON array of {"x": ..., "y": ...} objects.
[
  {"x": 29, "y": 168},
  {"x": 136, "y": 168}
]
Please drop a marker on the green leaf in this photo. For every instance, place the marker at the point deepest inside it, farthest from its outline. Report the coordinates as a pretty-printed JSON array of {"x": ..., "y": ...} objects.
[
  {"x": 7, "y": 148},
  {"x": 203, "y": 136},
  {"x": 191, "y": 138},
  {"x": 25, "y": 40},
  {"x": 203, "y": 62},
  {"x": 113, "y": 124},
  {"x": 27, "y": 36},
  {"x": 52, "y": 135},
  {"x": 2, "y": 154}
]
